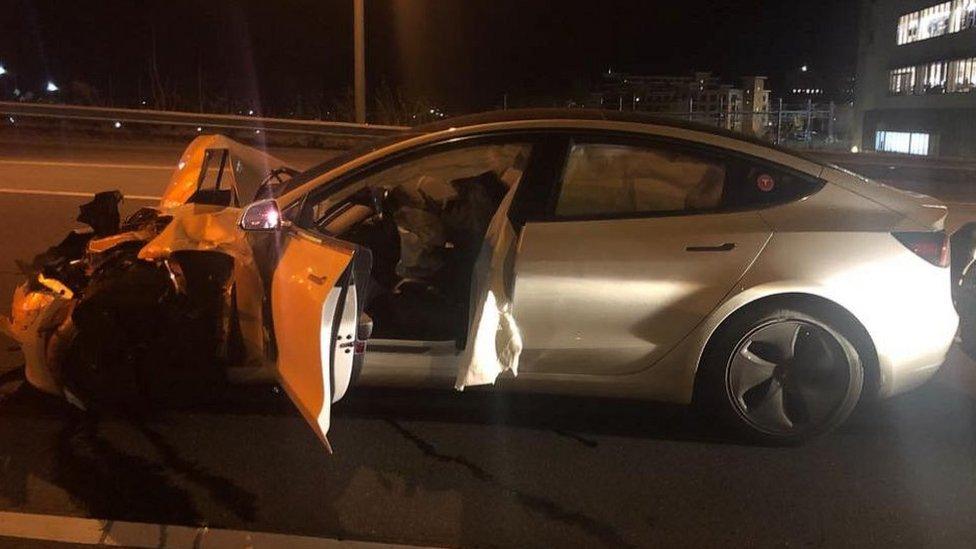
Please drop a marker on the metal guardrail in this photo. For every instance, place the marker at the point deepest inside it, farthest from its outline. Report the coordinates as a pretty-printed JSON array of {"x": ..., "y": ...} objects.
[{"x": 206, "y": 121}]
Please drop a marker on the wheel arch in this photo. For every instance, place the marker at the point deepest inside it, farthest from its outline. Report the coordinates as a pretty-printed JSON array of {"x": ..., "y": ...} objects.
[{"x": 860, "y": 337}]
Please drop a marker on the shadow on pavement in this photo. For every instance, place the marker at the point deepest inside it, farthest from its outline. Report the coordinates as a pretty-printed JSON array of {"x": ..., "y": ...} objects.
[
  {"x": 484, "y": 468},
  {"x": 67, "y": 448}
]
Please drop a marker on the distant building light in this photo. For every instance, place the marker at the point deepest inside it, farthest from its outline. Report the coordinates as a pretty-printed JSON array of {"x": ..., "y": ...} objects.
[
  {"x": 257, "y": 131},
  {"x": 431, "y": 111},
  {"x": 143, "y": 101},
  {"x": 803, "y": 68},
  {"x": 11, "y": 119},
  {"x": 855, "y": 149},
  {"x": 52, "y": 87},
  {"x": 199, "y": 129},
  {"x": 250, "y": 112},
  {"x": 16, "y": 92},
  {"x": 3, "y": 70},
  {"x": 117, "y": 124}
]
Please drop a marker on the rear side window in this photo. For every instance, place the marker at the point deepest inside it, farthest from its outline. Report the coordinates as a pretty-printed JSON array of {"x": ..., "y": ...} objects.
[
  {"x": 616, "y": 180},
  {"x": 648, "y": 179},
  {"x": 754, "y": 185}
]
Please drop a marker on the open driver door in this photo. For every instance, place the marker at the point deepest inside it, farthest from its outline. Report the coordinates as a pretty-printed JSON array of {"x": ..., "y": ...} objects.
[{"x": 316, "y": 294}]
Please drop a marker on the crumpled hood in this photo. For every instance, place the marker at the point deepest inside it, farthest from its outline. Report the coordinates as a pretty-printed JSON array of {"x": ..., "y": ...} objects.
[{"x": 199, "y": 228}]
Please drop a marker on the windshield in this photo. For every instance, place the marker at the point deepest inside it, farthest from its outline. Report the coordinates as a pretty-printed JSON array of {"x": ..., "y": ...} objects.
[{"x": 343, "y": 157}]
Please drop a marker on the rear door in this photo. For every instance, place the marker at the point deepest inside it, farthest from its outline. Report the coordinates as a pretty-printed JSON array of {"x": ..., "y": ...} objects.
[
  {"x": 316, "y": 293},
  {"x": 638, "y": 241}
]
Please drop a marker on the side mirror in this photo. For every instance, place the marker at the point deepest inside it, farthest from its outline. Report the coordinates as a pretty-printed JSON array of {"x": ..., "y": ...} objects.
[{"x": 262, "y": 215}]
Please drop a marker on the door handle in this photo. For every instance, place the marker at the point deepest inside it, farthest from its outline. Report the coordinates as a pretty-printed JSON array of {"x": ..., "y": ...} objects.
[
  {"x": 315, "y": 279},
  {"x": 727, "y": 247}
]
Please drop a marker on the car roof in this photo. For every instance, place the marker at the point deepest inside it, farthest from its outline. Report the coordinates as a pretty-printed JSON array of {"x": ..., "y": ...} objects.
[
  {"x": 557, "y": 116},
  {"x": 588, "y": 115}
]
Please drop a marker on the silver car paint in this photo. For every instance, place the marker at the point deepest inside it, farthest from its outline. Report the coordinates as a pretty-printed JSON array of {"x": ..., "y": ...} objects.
[{"x": 835, "y": 245}]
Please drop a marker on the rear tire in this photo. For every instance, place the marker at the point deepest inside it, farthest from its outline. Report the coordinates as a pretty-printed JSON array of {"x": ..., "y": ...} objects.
[{"x": 781, "y": 375}]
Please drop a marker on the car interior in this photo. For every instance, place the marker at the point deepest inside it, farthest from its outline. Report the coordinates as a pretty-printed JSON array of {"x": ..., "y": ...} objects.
[{"x": 424, "y": 222}]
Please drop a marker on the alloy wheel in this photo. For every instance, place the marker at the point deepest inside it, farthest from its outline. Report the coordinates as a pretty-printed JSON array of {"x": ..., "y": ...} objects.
[{"x": 789, "y": 376}]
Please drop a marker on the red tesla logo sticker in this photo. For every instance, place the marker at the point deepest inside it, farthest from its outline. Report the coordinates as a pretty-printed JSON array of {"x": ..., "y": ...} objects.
[{"x": 765, "y": 183}]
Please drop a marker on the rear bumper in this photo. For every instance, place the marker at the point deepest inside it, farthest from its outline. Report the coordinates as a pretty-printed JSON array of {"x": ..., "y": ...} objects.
[{"x": 912, "y": 347}]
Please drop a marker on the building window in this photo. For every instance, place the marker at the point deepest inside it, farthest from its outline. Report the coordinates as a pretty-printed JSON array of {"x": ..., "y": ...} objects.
[
  {"x": 934, "y": 77},
  {"x": 902, "y": 81},
  {"x": 937, "y": 20},
  {"x": 967, "y": 15},
  {"x": 962, "y": 75},
  {"x": 956, "y": 76},
  {"x": 924, "y": 24},
  {"x": 902, "y": 142}
]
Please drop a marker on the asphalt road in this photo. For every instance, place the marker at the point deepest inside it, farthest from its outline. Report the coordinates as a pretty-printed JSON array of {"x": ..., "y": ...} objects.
[{"x": 477, "y": 468}]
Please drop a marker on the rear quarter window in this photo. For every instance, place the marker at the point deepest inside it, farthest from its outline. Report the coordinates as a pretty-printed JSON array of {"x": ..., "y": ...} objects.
[{"x": 753, "y": 185}]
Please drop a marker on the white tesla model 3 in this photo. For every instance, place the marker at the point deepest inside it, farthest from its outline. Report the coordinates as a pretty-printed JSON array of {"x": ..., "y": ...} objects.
[{"x": 600, "y": 253}]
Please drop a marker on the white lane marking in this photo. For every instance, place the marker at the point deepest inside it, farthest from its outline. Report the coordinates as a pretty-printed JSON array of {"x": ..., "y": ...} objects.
[
  {"x": 86, "y": 165},
  {"x": 4, "y": 190},
  {"x": 132, "y": 534}
]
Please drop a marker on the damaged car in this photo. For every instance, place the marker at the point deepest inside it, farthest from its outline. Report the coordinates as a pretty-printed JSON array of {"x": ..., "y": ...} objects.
[
  {"x": 99, "y": 311},
  {"x": 588, "y": 252}
]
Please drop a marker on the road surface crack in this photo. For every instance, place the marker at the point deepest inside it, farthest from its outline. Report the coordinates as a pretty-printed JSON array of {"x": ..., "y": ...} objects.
[
  {"x": 604, "y": 532},
  {"x": 578, "y": 438}
]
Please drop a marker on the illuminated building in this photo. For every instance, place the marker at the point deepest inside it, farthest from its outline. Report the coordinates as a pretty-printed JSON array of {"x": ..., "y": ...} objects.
[{"x": 916, "y": 77}]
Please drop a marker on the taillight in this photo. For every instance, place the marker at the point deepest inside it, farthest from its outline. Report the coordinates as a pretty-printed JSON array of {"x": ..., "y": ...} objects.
[{"x": 932, "y": 247}]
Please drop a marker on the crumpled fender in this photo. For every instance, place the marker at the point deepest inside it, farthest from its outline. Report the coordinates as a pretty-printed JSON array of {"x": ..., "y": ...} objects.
[
  {"x": 100, "y": 245},
  {"x": 201, "y": 228},
  {"x": 205, "y": 228},
  {"x": 38, "y": 324}
]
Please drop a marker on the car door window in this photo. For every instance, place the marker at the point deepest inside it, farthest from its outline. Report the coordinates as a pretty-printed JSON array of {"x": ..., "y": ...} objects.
[
  {"x": 616, "y": 180},
  {"x": 612, "y": 180},
  {"x": 430, "y": 181},
  {"x": 423, "y": 216}
]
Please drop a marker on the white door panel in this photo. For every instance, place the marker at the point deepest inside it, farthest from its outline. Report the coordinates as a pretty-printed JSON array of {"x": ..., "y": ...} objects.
[{"x": 610, "y": 297}]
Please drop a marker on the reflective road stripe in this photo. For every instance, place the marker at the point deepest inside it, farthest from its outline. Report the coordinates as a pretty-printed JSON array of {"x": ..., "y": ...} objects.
[
  {"x": 71, "y": 193},
  {"x": 86, "y": 165},
  {"x": 131, "y": 534}
]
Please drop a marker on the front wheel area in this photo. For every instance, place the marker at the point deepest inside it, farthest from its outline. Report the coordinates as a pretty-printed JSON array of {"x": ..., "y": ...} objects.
[{"x": 781, "y": 375}]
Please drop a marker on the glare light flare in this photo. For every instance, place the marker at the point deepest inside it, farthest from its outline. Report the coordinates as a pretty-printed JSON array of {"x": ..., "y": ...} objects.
[
  {"x": 272, "y": 218},
  {"x": 52, "y": 87}
]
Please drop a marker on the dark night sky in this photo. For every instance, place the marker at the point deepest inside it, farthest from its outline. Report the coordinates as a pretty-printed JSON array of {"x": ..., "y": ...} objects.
[{"x": 462, "y": 54}]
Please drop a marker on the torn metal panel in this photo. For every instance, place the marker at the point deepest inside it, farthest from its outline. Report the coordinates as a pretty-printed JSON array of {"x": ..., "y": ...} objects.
[
  {"x": 102, "y": 213},
  {"x": 36, "y": 315},
  {"x": 495, "y": 342},
  {"x": 246, "y": 170},
  {"x": 214, "y": 229}
]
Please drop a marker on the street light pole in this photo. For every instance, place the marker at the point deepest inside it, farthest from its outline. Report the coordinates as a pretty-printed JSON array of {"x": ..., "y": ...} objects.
[{"x": 360, "y": 60}]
